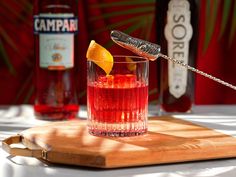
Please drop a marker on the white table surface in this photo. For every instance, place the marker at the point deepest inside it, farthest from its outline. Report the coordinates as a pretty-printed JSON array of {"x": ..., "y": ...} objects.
[{"x": 14, "y": 119}]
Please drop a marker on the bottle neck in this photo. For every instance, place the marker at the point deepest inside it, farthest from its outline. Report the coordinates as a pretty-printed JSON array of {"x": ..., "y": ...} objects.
[{"x": 55, "y": 6}]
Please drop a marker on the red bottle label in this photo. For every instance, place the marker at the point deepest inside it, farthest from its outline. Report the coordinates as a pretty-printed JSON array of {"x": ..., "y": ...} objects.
[{"x": 56, "y": 40}]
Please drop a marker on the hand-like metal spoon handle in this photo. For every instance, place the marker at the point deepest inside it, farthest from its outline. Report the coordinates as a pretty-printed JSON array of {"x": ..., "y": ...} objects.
[
  {"x": 138, "y": 46},
  {"x": 152, "y": 51}
]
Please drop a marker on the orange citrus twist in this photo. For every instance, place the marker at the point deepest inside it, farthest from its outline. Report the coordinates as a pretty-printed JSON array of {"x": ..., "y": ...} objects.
[
  {"x": 101, "y": 56},
  {"x": 132, "y": 65}
]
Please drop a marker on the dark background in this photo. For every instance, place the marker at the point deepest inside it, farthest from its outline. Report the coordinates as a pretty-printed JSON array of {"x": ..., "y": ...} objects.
[{"x": 216, "y": 47}]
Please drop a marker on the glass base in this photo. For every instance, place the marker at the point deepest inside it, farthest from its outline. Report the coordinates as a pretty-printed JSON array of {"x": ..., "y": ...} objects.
[{"x": 118, "y": 130}]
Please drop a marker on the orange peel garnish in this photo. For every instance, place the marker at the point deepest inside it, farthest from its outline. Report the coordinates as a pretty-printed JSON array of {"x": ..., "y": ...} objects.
[{"x": 101, "y": 56}]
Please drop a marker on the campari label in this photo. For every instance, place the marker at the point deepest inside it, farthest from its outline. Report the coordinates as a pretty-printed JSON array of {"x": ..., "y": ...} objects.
[{"x": 56, "y": 40}]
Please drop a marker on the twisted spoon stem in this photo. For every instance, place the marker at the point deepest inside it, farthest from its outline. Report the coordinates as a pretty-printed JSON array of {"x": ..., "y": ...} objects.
[{"x": 197, "y": 71}]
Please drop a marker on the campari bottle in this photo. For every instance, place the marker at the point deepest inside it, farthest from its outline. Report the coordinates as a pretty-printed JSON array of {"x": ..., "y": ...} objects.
[
  {"x": 177, "y": 33},
  {"x": 55, "y": 29}
]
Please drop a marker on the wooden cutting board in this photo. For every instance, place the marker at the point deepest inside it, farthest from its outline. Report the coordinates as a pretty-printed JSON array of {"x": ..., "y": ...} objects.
[{"x": 168, "y": 140}]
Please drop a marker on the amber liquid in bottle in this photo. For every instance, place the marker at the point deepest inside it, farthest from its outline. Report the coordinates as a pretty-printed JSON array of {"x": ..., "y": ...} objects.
[
  {"x": 55, "y": 28},
  {"x": 177, "y": 34}
]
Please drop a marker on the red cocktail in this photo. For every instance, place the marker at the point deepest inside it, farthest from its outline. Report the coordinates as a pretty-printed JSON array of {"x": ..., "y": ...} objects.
[{"x": 118, "y": 103}]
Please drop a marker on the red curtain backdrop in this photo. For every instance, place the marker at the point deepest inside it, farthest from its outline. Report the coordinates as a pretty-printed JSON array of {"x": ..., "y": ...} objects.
[
  {"x": 219, "y": 56},
  {"x": 216, "y": 47}
]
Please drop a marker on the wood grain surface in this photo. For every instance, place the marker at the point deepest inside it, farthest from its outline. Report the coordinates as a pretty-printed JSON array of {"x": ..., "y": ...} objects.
[{"x": 168, "y": 140}]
